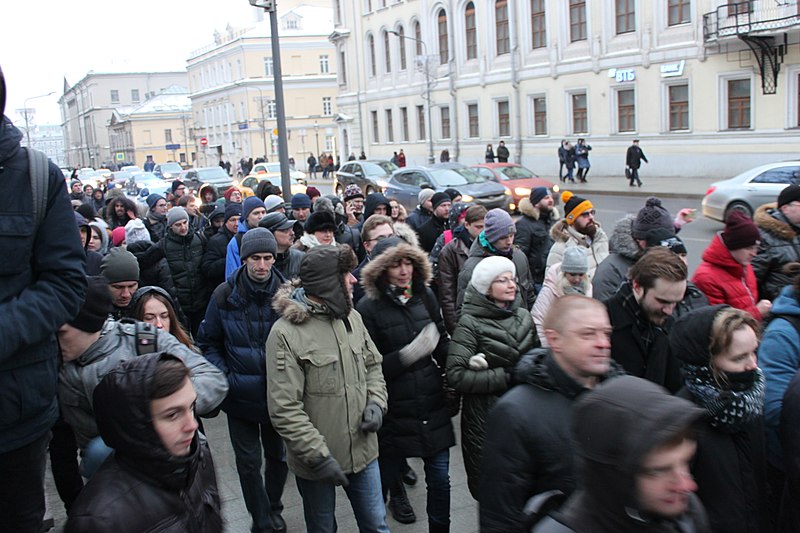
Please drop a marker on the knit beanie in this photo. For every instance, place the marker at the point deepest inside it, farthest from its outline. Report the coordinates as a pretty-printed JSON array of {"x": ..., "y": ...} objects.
[
  {"x": 228, "y": 194},
  {"x": 312, "y": 193},
  {"x": 653, "y": 215},
  {"x": 135, "y": 231},
  {"x": 96, "y": 306},
  {"x": 76, "y": 204},
  {"x": 273, "y": 202},
  {"x": 425, "y": 194},
  {"x": 218, "y": 212},
  {"x": 119, "y": 265},
  {"x": 258, "y": 241},
  {"x": 488, "y": 269},
  {"x": 498, "y": 224},
  {"x": 353, "y": 191},
  {"x": 575, "y": 261},
  {"x": 301, "y": 201},
  {"x": 453, "y": 193},
  {"x": 87, "y": 210},
  {"x": 118, "y": 235},
  {"x": 439, "y": 198},
  {"x": 574, "y": 206},
  {"x": 176, "y": 214},
  {"x": 233, "y": 210},
  {"x": 153, "y": 199},
  {"x": 249, "y": 204},
  {"x": 537, "y": 194},
  {"x": 740, "y": 232},
  {"x": 175, "y": 185},
  {"x": 789, "y": 195},
  {"x": 320, "y": 220},
  {"x": 666, "y": 238}
]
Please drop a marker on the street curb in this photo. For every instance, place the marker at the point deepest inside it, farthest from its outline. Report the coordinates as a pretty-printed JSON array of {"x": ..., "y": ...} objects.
[{"x": 644, "y": 193}]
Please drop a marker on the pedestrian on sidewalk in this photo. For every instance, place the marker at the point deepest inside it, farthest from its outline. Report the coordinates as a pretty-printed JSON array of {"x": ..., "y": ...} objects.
[
  {"x": 312, "y": 166},
  {"x": 562, "y": 156},
  {"x": 569, "y": 161},
  {"x": 633, "y": 160},
  {"x": 502, "y": 153},
  {"x": 489, "y": 156},
  {"x": 582, "y": 158}
]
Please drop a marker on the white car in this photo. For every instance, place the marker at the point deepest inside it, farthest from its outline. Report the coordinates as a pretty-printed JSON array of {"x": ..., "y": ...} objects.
[{"x": 275, "y": 168}]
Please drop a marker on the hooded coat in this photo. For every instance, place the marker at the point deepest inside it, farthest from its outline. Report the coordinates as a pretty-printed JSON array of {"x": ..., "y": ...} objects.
[
  {"x": 529, "y": 447},
  {"x": 184, "y": 255},
  {"x": 613, "y": 270},
  {"x": 533, "y": 237},
  {"x": 417, "y": 423},
  {"x": 778, "y": 258},
  {"x": 153, "y": 266},
  {"x": 370, "y": 203},
  {"x": 565, "y": 235},
  {"x": 418, "y": 217},
  {"x": 142, "y": 487},
  {"x": 790, "y": 440},
  {"x": 502, "y": 335}
]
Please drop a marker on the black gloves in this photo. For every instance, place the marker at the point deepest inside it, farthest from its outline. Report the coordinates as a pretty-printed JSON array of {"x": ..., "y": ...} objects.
[
  {"x": 372, "y": 419},
  {"x": 329, "y": 471}
]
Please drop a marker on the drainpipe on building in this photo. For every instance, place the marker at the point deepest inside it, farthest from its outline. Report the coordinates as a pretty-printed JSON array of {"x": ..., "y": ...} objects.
[
  {"x": 515, "y": 80},
  {"x": 454, "y": 131}
]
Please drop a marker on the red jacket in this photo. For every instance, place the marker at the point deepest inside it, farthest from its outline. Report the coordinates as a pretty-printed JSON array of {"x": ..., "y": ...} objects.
[{"x": 724, "y": 281}]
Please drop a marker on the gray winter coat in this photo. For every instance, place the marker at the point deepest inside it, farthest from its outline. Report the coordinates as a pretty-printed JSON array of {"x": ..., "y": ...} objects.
[{"x": 613, "y": 270}]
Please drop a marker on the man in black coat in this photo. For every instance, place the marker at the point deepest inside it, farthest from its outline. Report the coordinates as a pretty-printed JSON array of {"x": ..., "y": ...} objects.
[
  {"x": 528, "y": 450},
  {"x": 533, "y": 231},
  {"x": 213, "y": 263},
  {"x": 435, "y": 226},
  {"x": 502, "y": 152},
  {"x": 633, "y": 160}
]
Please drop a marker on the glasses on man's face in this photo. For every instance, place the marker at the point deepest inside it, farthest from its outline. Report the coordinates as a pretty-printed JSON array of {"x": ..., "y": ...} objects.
[
  {"x": 379, "y": 238},
  {"x": 589, "y": 213}
]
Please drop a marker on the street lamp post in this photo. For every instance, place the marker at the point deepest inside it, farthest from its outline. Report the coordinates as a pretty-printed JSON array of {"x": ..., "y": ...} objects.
[
  {"x": 25, "y": 114},
  {"x": 431, "y": 156},
  {"x": 316, "y": 134}
]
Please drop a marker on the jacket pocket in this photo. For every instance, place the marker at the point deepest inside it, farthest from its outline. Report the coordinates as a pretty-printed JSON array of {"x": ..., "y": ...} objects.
[
  {"x": 323, "y": 374},
  {"x": 16, "y": 233}
]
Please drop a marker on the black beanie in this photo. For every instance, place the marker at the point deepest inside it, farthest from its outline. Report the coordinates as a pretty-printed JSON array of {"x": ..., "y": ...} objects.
[
  {"x": 439, "y": 198},
  {"x": 652, "y": 216},
  {"x": 96, "y": 306}
]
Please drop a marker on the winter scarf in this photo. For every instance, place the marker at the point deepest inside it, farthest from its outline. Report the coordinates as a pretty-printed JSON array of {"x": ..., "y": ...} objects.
[{"x": 730, "y": 410}]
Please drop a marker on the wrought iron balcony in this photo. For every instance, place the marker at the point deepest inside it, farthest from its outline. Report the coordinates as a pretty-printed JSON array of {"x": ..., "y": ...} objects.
[{"x": 748, "y": 17}]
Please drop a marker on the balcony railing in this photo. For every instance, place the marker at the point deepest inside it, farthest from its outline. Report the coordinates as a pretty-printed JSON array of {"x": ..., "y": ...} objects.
[{"x": 749, "y": 17}]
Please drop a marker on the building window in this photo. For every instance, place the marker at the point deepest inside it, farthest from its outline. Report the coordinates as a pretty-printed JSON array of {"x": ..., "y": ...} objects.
[
  {"x": 444, "y": 112},
  {"x": 678, "y": 107},
  {"x": 324, "y": 66},
  {"x": 421, "y": 123},
  {"x": 401, "y": 37},
  {"x": 271, "y": 109},
  {"x": 368, "y": 5},
  {"x": 577, "y": 20},
  {"x": 134, "y": 95},
  {"x": 503, "y": 119},
  {"x": 626, "y": 16},
  {"x": 168, "y": 136},
  {"x": 740, "y": 8},
  {"x": 404, "y": 123},
  {"x": 327, "y": 106},
  {"x": 471, "y": 36},
  {"x": 418, "y": 38},
  {"x": 342, "y": 68},
  {"x": 540, "y": 116},
  {"x": 387, "y": 52},
  {"x": 472, "y": 118},
  {"x": 389, "y": 126},
  {"x": 114, "y": 96},
  {"x": 291, "y": 24},
  {"x": 371, "y": 44},
  {"x": 538, "y": 26},
  {"x": 147, "y": 137},
  {"x": 626, "y": 111},
  {"x": 268, "y": 67},
  {"x": 678, "y": 12},
  {"x": 501, "y": 26},
  {"x": 375, "y": 128},
  {"x": 579, "y": 113},
  {"x": 738, "y": 104},
  {"x": 444, "y": 50}
]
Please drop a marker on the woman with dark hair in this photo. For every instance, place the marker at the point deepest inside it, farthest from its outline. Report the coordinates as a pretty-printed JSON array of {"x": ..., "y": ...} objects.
[
  {"x": 120, "y": 211},
  {"x": 155, "y": 306},
  {"x": 717, "y": 349}
]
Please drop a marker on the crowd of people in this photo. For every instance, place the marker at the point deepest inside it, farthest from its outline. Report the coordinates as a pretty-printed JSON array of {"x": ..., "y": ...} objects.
[{"x": 599, "y": 389}]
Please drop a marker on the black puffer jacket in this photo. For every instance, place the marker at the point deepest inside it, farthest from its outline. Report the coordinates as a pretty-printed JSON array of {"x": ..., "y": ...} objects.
[
  {"x": 142, "y": 487},
  {"x": 778, "y": 256},
  {"x": 213, "y": 262},
  {"x": 529, "y": 448},
  {"x": 417, "y": 423},
  {"x": 533, "y": 237},
  {"x": 430, "y": 231},
  {"x": 184, "y": 256},
  {"x": 153, "y": 267}
]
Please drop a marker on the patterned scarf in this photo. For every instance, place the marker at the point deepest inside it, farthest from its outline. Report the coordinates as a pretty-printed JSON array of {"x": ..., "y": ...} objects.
[
  {"x": 400, "y": 294},
  {"x": 730, "y": 410}
]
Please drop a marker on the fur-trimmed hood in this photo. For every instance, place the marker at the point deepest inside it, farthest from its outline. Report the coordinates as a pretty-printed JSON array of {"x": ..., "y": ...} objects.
[
  {"x": 407, "y": 233},
  {"x": 290, "y": 302},
  {"x": 529, "y": 210},
  {"x": 563, "y": 232},
  {"x": 622, "y": 241},
  {"x": 372, "y": 274},
  {"x": 769, "y": 219}
]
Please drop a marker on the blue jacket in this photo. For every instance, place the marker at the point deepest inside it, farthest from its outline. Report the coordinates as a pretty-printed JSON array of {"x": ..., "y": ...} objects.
[
  {"x": 233, "y": 338},
  {"x": 42, "y": 286},
  {"x": 232, "y": 259},
  {"x": 779, "y": 358}
]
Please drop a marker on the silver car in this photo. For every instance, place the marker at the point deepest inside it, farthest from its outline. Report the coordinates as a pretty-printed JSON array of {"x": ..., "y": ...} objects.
[{"x": 749, "y": 190}]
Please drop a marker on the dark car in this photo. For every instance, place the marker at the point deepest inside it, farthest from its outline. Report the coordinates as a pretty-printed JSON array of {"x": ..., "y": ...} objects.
[
  {"x": 372, "y": 175},
  {"x": 216, "y": 176},
  {"x": 167, "y": 171},
  {"x": 405, "y": 184}
]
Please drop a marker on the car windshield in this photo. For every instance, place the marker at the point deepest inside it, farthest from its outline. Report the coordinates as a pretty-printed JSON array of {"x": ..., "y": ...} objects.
[
  {"x": 515, "y": 173},
  {"x": 450, "y": 177},
  {"x": 131, "y": 169},
  {"x": 172, "y": 167},
  {"x": 213, "y": 175},
  {"x": 384, "y": 168}
]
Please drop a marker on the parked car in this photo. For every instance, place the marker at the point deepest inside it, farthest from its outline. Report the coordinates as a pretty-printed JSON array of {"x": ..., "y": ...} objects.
[
  {"x": 168, "y": 171},
  {"x": 405, "y": 183},
  {"x": 139, "y": 181},
  {"x": 516, "y": 178},
  {"x": 131, "y": 168},
  {"x": 251, "y": 181},
  {"x": 749, "y": 190},
  {"x": 372, "y": 175},
  {"x": 275, "y": 168},
  {"x": 216, "y": 176}
]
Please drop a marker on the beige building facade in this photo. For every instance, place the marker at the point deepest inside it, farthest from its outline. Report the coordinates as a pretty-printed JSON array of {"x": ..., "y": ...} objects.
[
  {"x": 233, "y": 96},
  {"x": 707, "y": 86},
  {"x": 87, "y": 107}
]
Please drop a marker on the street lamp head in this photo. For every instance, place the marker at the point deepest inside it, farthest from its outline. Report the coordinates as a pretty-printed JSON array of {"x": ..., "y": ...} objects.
[{"x": 266, "y": 5}]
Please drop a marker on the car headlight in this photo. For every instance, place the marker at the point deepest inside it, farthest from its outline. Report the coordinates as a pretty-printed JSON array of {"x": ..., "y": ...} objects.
[
  {"x": 466, "y": 198},
  {"x": 382, "y": 183},
  {"x": 522, "y": 191},
  {"x": 556, "y": 188},
  {"x": 507, "y": 192}
]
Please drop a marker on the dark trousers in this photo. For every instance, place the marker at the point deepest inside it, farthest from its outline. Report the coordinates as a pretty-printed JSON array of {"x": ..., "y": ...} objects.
[
  {"x": 437, "y": 480},
  {"x": 262, "y": 493},
  {"x": 561, "y": 171},
  {"x": 634, "y": 176},
  {"x": 64, "y": 463},
  {"x": 22, "y": 487}
]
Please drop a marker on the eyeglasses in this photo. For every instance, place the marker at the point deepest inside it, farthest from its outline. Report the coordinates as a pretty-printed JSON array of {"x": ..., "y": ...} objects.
[
  {"x": 591, "y": 212},
  {"x": 379, "y": 238},
  {"x": 505, "y": 281}
]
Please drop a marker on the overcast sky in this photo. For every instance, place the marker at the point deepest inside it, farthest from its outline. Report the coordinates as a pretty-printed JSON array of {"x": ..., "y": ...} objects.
[{"x": 43, "y": 41}]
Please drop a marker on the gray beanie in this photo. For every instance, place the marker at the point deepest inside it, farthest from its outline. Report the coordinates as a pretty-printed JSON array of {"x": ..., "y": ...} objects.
[
  {"x": 273, "y": 202},
  {"x": 120, "y": 265},
  {"x": 653, "y": 215},
  {"x": 575, "y": 261},
  {"x": 258, "y": 241},
  {"x": 425, "y": 194},
  {"x": 487, "y": 270},
  {"x": 498, "y": 224},
  {"x": 176, "y": 214}
]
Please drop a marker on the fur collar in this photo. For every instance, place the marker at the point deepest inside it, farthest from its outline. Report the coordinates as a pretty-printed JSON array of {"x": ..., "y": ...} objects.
[
  {"x": 528, "y": 210},
  {"x": 768, "y": 218},
  {"x": 622, "y": 241},
  {"x": 372, "y": 273},
  {"x": 563, "y": 232},
  {"x": 289, "y": 302}
]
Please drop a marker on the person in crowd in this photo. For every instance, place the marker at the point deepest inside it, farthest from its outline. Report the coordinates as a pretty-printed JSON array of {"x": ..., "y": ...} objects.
[
  {"x": 287, "y": 257},
  {"x": 253, "y": 210},
  {"x": 233, "y": 337},
  {"x": 120, "y": 211},
  {"x": 93, "y": 259},
  {"x": 424, "y": 210},
  {"x": 397, "y": 211},
  {"x": 320, "y": 230},
  {"x": 582, "y": 159},
  {"x": 177, "y": 189},
  {"x": 403, "y": 318},
  {"x": 456, "y": 218},
  {"x": 233, "y": 196},
  {"x": 319, "y": 349},
  {"x": 157, "y": 307},
  {"x": 778, "y": 256},
  {"x": 717, "y": 348},
  {"x": 454, "y": 195},
  {"x": 641, "y": 313},
  {"x": 494, "y": 330},
  {"x": 633, "y": 161},
  {"x": 120, "y": 269},
  {"x": 149, "y": 164},
  {"x": 529, "y": 450},
  {"x": 76, "y": 190},
  {"x": 569, "y": 161},
  {"x": 789, "y": 430},
  {"x": 161, "y": 471},
  {"x": 578, "y": 228},
  {"x": 215, "y": 256},
  {"x": 497, "y": 239},
  {"x": 99, "y": 241},
  {"x": 344, "y": 233},
  {"x": 726, "y": 274},
  {"x": 488, "y": 156},
  {"x": 208, "y": 196},
  {"x": 533, "y": 231},
  {"x": 637, "y": 477},
  {"x": 353, "y": 204},
  {"x": 184, "y": 253},
  {"x": 97, "y": 200},
  {"x": 273, "y": 203},
  {"x": 213, "y": 222},
  {"x": 375, "y": 204},
  {"x": 156, "y": 219},
  {"x": 118, "y": 236},
  {"x": 401, "y": 159},
  {"x": 562, "y": 159},
  {"x": 313, "y": 193},
  {"x": 563, "y": 279},
  {"x": 312, "y": 166},
  {"x": 362, "y": 156},
  {"x": 153, "y": 266},
  {"x": 502, "y": 152},
  {"x": 437, "y": 223},
  {"x": 376, "y": 228},
  {"x": 301, "y": 208}
]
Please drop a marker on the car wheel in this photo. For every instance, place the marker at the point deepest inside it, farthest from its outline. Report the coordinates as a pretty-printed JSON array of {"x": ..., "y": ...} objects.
[
  {"x": 742, "y": 207},
  {"x": 339, "y": 190},
  {"x": 369, "y": 190}
]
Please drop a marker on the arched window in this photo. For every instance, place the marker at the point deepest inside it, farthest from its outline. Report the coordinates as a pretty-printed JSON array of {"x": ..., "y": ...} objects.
[
  {"x": 501, "y": 26},
  {"x": 387, "y": 52},
  {"x": 371, "y": 44},
  {"x": 401, "y": 36},
  {"x": 471, "y": 36},
  {"x": 418, "y": 37},
  {"x": 444, "y": 49}
]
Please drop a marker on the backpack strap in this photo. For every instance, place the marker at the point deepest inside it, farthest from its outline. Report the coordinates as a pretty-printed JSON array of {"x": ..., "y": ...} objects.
[
  {"x": 146, "y": 338},
  {"x": 39, "y": 172}
]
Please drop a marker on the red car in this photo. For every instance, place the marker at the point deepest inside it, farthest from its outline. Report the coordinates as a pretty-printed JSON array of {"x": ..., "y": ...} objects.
[{"x": 516, "y": 178}]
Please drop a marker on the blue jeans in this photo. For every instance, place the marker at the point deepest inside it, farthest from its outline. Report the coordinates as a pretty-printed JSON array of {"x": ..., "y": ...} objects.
[
  {"x": 364, "y": 493},
  {"x": 22, "y": 487},
  {"x": 262, "y": 494},
  {"x": 437, "y": 480}
]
